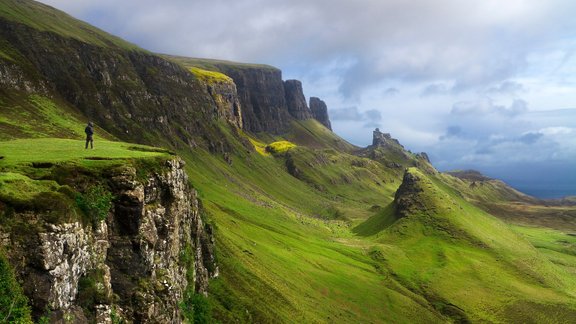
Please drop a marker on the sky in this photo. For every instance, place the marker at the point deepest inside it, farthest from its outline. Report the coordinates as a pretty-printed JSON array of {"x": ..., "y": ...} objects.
[{"x": 482, "y": 84}]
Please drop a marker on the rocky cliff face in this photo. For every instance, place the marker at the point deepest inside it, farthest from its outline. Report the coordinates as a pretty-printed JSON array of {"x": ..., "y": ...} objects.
[
  {"x": 262, "y": 97},
  {"x": 407, "y": 199},
  {"x": 223, "y": 92},
  {"x": 134, "y": 265},
  {"x": 226, "y": 100},
  {"x": 320, "y": 112},
  {"x": 268, "y": 103},
  {"x": 380, "y": 139},
  {"x": 296, "y": 101},
  {"x": 127, "y": 92}
]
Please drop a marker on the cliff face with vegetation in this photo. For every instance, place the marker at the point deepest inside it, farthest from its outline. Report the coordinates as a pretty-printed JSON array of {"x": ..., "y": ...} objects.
[
  {"x": 261, "y": 93},
  {"x": 222, "y": 90},
  {"x": 268, "y": 103},
  {"x": 134, "y": 250},
  {"x": 134, "y": 95}
]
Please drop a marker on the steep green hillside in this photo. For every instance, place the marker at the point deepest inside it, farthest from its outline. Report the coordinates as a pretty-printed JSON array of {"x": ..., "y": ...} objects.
[
  {"x": 285, "y": 252},
  {"x": 37, "y": 116},
  {"x": 51, "y": 61},
  {"x": 440, "y": 254},
  {"x": 468, "y": 264},
  {"x": 45, "y": 18}
]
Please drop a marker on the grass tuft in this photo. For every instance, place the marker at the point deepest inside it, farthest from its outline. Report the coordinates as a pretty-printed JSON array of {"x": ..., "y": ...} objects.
[
  {"x": 210, "y": 77},
  {"x": 279, "y": 147}
]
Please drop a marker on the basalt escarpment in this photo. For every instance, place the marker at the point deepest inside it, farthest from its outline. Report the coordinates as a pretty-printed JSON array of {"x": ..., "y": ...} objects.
[
  {"x": 226, "y": 101},
  {"x": 135, "y": 265},
  {"x": 268, "y": 104},
  {"x": 296, "y": 101},
  {"x": 262, "y": 97},
  {"x": 320, "y": 112}
]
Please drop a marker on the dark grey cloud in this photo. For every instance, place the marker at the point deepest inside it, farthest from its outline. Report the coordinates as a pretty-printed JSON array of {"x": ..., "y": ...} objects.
[
  {"x": 434, "y": 90},
  {"x": 530, "y": 138},
  {"x": 373, "y": 114},
  {"x": 390, "y": 92},
  {"x": 493, "y": 140},
  {"x": 517, "y": 107},
  {"x": 347, "y": 114},
  {"x": 452, "y": 131}
]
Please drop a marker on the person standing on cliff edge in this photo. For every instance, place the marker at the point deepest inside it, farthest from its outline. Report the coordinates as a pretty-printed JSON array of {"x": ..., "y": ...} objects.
[{"x": 89, "y": 130}]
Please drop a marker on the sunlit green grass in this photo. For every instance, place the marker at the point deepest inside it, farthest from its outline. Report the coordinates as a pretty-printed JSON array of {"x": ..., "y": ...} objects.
[
  {"x": 283, "y": 259},
  {"x": 280, "y": 147},
  {"x": 462, "y": 256},
  {"x": 210, "y": 77},
  {"x": 54, "y": 150},
  {"x": 279, "y": 264}
]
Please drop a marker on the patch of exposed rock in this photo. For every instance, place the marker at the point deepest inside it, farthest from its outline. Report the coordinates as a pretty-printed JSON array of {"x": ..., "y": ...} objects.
[
  {"x": 130, "y": 266},
  {"x": 320, "y": 112},
  {"x": 406, "y": 198},
  {"x": 296, "y": 101}
]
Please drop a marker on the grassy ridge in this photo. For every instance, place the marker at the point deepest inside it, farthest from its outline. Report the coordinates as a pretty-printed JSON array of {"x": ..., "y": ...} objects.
[
  {"x": 45, "y": 18},
  {"x": 328, "y": 245},
  {"x": 497, "y": 198},
  {"x": 468, "y": 263},
  {"x": 27, "y": 166},
  {"x": 210, "y": 77},
  {"x": 215, "y": 65},
  {"x": 278, "y": 263}
]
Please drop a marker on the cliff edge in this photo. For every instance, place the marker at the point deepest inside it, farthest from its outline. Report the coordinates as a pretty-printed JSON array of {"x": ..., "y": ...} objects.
[{"x": 93, "y": 242}]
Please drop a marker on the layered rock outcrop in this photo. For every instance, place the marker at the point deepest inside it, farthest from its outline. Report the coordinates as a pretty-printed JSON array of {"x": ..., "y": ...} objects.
[
  {"x": 296, "y": 101},
  {"x": 134, "y": 265},
  {"x": 320, "y": 112},
  {"x": 262, "y": 96},
  {"x": 226, "y": 101},
  {"x": 407, "y": 197},
  {"x": 380, "y": 139}
]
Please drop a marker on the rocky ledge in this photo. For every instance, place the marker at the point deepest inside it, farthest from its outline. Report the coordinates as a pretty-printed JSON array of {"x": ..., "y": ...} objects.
[{"x": 135, "y": 265}]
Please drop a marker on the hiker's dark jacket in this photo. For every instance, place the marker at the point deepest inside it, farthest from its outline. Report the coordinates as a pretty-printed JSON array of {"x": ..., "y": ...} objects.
[{"x": 89, "y": 130}]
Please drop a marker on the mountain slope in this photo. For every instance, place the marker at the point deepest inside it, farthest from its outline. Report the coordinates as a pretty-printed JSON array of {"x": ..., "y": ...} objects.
[{"x": 469, "y": 264}]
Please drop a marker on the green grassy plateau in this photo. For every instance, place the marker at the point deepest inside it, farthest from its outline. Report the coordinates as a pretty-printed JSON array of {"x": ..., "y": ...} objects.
[
  {"x": 55, "y": 150},
  {"x": 215, "y": 65}
]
